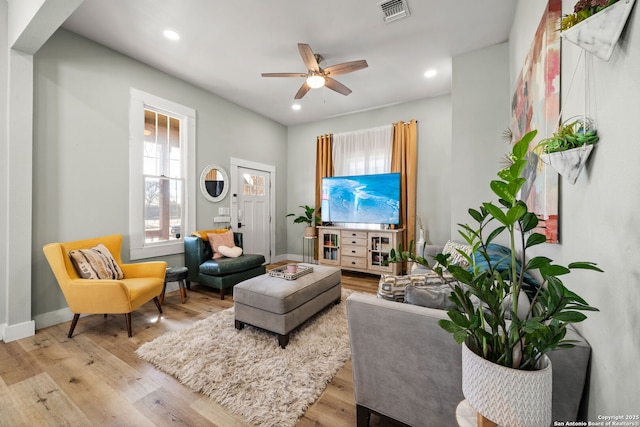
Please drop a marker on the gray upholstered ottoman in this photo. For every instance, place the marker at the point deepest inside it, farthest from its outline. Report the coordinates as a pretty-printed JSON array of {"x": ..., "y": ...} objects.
[{"x": 279, "y": 305}]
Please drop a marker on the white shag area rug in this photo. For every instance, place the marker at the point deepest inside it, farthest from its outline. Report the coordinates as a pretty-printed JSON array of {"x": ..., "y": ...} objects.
[{"x": 247, "y": 372}]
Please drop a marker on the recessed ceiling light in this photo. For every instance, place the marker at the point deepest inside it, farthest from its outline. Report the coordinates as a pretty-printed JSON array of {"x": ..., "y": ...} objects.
[
  {"x": 430, "y": 73},
  {"x": 171, "y": 35},
  {"x": 296, "y": 107}
]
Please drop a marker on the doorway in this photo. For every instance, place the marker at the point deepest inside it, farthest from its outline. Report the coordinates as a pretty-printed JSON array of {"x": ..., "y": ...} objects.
[{"x": 253, "y": 206}]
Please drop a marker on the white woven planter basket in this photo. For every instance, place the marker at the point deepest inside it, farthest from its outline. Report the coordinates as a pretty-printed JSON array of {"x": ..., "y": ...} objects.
[{"x": 508, "y": 397}]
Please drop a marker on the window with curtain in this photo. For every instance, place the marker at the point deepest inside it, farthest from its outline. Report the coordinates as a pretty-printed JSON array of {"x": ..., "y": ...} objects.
[
  {"x": 379, "y": 150},
  {"x": 363, "y": 152}
]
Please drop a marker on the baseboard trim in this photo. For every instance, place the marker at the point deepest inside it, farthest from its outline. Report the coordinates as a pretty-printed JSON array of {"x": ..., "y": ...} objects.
[
  {"x": 288, "y": 257},
  {"x": 18, "y": 331},
  {"x": 52, "y": 318},
  {"x": 56, "y": 317}
]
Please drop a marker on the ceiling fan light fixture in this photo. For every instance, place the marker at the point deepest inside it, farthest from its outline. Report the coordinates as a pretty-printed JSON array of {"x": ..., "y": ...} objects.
[{"x": 315, "y": 81}]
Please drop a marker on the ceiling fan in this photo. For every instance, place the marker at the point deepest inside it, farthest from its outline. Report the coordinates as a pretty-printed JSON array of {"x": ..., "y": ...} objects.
[{"x": 317, "y": 77}]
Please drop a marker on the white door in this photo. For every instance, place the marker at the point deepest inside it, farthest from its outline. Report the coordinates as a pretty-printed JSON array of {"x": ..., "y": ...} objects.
[{"x": 253, "y": 210}]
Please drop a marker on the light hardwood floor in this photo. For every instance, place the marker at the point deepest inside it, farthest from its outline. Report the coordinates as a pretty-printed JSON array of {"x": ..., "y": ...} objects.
[{"x": 96, "y": 379}]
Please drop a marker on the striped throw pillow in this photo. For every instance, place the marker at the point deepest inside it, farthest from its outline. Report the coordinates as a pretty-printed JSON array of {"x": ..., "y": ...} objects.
[{"x": 96, "y": 263}]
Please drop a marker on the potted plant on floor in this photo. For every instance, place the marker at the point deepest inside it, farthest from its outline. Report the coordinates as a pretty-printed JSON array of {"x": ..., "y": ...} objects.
[
  {"x": 504, "y": 345},
  {"x": 568, "y": 149},
  {"x": 308, "y": 217}
]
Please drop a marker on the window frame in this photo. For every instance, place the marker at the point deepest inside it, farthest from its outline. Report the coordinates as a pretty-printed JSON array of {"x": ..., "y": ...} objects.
[{"x": 139, "y": 100}]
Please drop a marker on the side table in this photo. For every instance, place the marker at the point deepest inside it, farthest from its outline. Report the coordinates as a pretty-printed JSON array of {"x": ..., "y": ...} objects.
[
  {"x": 308, "y": 247},
  {"x": 466, "y": 416},
  {"x": 180, "y": 275}
]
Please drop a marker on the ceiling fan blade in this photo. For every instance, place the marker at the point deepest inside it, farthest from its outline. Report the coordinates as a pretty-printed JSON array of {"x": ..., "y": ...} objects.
[
  {"x": 337, "y": 86},
  {"x": 308, "y": 57},
  {"x": 302, "y": 91},
  {"x": 346, "y": 67},
  {"x": 284, "y": 74}
]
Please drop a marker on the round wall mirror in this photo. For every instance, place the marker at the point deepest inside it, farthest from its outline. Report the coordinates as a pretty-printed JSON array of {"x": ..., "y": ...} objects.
[{"x": 214, "y": 183}]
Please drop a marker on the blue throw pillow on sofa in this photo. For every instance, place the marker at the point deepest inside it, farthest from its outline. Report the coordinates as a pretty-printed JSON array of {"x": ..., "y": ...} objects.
[{"x": 500, "y": 258}]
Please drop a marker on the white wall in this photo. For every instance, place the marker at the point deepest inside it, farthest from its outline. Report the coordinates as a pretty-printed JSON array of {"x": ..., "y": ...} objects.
[
  {"x": 480, "y": 107},
  {"x": 4, "y": 155},
  {"x": 598, "y": 215},
  {"x": 434, "y": 161},
  {"x": 81, "y": 145}
]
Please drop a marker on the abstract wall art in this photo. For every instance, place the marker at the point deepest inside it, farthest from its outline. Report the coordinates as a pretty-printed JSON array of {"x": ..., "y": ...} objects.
[{"x": 536, "y": 105}]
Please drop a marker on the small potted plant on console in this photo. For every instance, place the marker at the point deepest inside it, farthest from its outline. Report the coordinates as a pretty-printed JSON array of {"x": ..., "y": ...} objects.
[{"x": 309, "y": 218}]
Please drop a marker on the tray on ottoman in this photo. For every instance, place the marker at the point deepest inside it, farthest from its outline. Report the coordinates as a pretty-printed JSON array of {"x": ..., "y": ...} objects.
[{"x": 284, "y": 274}]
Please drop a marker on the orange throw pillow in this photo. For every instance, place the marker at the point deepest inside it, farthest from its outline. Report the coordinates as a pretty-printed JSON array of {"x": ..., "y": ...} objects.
[{"x": 220, "y": 239}]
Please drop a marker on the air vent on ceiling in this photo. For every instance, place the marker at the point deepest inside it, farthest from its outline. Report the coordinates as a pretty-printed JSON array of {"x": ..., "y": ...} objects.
[{"x": 394, "y": 10}]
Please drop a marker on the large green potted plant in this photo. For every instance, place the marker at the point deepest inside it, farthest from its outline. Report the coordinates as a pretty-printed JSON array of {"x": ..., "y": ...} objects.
[
  {"x": 308, "y": 217},
  {"x": 487, "y": 320}
]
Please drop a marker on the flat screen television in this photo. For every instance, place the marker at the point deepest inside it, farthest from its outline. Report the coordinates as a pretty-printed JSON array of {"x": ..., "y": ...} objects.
[{"x": 370, "y": 199}]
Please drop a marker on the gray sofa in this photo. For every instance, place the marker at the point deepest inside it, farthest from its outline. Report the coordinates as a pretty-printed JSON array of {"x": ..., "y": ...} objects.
[{"x": 407, "y": 368}]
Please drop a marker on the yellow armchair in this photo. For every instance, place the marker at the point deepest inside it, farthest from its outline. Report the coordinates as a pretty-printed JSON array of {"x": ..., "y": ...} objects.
[{"x": 142, "y": 281}]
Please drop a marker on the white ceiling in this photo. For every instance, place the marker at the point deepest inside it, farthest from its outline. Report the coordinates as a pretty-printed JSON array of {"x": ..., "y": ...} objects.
[{"x": 226, "y": 45}]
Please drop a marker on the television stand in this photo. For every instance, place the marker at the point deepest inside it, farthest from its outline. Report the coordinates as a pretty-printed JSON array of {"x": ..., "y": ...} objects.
[{"x": 357, "y": 249}]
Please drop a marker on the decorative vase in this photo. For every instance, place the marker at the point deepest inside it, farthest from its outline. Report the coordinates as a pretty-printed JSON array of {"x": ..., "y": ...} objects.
[
  {"x": 568, "y": 163},
  {"x": 599, "y": 33},
  {"x": 310, "y": 231},
  {"x": 420, "y": 244},
  {"x": 508, "y": 397}
]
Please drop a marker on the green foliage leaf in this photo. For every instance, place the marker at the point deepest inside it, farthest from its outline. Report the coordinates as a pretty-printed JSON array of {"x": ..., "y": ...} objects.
[
  {"x": 505, "y": 174},
  {"x": 532, "y": 325},
  {"x": 516, "y": 168},
  {"x": 538, "y": 262},
  {"x": 535, "y": 239},
  {"x": 460, "y": 274},
  {"x": 516, "y": 185},
  {"x": 522, "y": 147},
  {"x": 496, "y": 212},
  {"x": 553, "y": 270},
  {"x": 442, "y": 258},
  {"x": 448, "y": 326},
  {"x": 501, "y": 189},
  {"x": 585, "y": 265},
  {"x": 476, "y": 215},
  {"x": 515, "y": 213},
  {"x": 459, "y": 319},
  {"x": 528, "y": 222},
  {"x": 460, "y": 336},
  {"x": 570, "y": 316}
]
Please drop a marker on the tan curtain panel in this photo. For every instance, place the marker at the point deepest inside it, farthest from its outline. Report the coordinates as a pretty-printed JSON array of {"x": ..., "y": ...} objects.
[
  {"x": 324, "y": 163},
  {"x": 324, "y": 168},
  {"x": 404, "y": 159}
]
